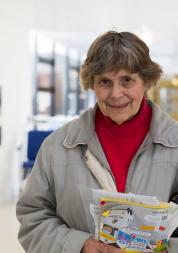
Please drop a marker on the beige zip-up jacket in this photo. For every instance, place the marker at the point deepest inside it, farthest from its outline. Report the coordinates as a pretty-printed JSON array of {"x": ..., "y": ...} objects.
[{"x": 53, "y": 213}]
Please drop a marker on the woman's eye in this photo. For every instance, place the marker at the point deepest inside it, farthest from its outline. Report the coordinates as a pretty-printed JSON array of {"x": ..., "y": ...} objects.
[
  {"x": 104, "y": 82},
  {"x": 126, "y": 81}
]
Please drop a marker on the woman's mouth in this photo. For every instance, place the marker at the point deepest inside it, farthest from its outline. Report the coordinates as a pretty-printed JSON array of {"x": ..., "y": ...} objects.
[{"x": 119, "y": 106}]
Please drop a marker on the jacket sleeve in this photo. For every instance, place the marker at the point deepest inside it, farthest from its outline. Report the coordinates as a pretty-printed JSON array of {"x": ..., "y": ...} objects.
[{"x": 41, "y": 230}]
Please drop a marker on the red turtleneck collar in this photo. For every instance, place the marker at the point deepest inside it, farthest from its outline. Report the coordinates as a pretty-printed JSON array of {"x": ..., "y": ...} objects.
[{"x": 121, "y": 142}]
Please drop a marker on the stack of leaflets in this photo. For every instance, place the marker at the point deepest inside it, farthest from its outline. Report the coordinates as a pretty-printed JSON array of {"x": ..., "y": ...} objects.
[{"x": 132, "y": 222}]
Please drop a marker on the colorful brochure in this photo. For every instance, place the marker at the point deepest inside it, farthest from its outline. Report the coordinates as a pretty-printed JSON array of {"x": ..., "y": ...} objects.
[{"x": 133, "y": 222}]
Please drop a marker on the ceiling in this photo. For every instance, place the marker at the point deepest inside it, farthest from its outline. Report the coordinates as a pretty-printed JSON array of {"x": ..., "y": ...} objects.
[{"x": 77, "y": 23}]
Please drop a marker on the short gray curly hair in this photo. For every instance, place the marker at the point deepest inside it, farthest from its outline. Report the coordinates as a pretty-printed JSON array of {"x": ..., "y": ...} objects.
[{"x": 112, "y": 51}]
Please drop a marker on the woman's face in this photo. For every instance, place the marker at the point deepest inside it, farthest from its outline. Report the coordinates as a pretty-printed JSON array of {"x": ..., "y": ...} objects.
[{"x": 119, "y": 94}]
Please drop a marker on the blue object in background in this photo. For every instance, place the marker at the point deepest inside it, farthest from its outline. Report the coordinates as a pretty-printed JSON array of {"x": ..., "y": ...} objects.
[{"x": 35, "y": 139}]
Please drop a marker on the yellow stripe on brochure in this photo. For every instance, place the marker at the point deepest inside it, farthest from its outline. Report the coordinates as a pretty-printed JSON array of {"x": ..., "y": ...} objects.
[
  {"x": 147, "y": 228},
  {"x": 109, "y": 237},
  {"x": 162, "y": 205},
  {"x": 106, "y": 214}
]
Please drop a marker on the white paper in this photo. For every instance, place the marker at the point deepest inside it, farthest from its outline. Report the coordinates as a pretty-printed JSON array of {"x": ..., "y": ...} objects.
[{"x": 133, "y": 222}]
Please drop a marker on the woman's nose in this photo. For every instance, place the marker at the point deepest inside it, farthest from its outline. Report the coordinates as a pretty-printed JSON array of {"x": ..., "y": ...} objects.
[{"x": 116, "y": 91}]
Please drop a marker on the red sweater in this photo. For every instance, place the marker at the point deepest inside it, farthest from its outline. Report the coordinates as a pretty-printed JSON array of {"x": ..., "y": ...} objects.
[{"x": 121, "y": 142}]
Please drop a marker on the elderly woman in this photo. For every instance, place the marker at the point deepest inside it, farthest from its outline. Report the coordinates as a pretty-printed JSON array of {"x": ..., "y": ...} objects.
[{"x": 125, "y": 144}]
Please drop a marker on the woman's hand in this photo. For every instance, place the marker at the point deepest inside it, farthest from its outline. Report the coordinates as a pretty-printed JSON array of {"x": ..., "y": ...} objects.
[{"x": 92, "y": 246}]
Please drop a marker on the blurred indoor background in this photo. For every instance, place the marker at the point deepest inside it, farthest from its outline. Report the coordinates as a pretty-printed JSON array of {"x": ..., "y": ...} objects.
[{"x": 42, "y": 45}]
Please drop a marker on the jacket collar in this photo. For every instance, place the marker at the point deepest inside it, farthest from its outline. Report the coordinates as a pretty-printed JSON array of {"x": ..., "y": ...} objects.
[
  {"x": 163, "y": 128},
  {"x": 82, "y": 129}
]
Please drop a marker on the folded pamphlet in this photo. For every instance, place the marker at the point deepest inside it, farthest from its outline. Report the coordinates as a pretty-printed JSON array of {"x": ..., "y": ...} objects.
[{"x": 132, "y": 222}]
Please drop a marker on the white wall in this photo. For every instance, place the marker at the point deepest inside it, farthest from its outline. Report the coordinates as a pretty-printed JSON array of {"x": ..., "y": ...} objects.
[
  {"x": 80, "y": 18},
  {"x": 15, "y": 70}
]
